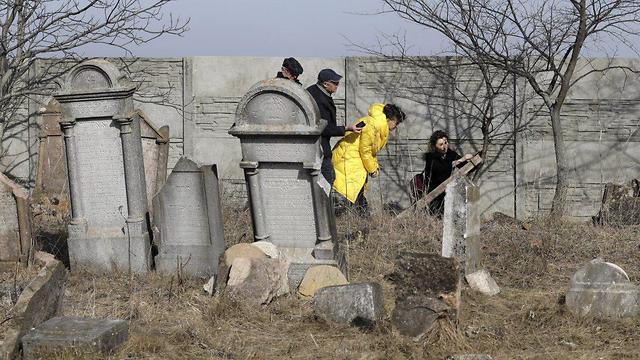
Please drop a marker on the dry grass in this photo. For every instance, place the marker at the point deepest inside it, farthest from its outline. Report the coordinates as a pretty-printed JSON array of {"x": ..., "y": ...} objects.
[{"x": 172, "y": 318}]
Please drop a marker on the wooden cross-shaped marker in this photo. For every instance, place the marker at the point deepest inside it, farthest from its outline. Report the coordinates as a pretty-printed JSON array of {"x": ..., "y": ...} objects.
[{"x": 422, "y": 203}]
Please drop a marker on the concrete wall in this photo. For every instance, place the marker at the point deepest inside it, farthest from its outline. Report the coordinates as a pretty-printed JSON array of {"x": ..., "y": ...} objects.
[{"x": 197, "y": 98}]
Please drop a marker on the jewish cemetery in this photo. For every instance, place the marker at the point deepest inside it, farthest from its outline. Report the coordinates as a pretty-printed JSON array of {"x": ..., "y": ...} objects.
[{"x": 222, "y": 182}]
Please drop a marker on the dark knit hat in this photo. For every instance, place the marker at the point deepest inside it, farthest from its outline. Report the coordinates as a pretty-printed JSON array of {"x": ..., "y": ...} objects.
[{"x": 293, "y": 66}]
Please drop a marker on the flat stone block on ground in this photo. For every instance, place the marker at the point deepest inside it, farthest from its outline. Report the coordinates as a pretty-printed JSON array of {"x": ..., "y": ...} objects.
[
  {"x": 318, "y": 277},
  {"x": 361, "y": 305},
  {"x": 80, "y": 334},
  {"x": 602, "y": 290}
]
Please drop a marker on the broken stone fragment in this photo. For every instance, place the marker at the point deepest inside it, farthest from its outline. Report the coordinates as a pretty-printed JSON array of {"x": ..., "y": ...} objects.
[
  {"x": 224, "y": 264},
  {"x": 257, "y": 281},
  {"x": 360, "y": 305},
  {"x": 482, "y": 281},
  {"x": 318, "y": 277},
  {"x": 416, "y": 315},
  {"x": 267, "y": 248}
]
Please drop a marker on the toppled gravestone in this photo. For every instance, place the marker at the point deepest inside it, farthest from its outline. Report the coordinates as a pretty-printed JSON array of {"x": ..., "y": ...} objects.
[
  {"x": 602, "y": 290},
  {"x": 360, "y": 305},
  {"x": 427, "y": 289},
  {"x": 78, "y": 334},
  {"x": 257, "y": 281},
  {"x": 620, "y": 204},
  {"x": 38, "y": 302}
]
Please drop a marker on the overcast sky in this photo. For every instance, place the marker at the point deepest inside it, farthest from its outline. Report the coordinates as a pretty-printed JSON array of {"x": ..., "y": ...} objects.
[
  {"x": 299, "y": 28},
  {"x": 283, "y": 28}
]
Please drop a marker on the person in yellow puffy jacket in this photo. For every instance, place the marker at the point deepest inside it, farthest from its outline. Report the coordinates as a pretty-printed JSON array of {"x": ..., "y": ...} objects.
[{"x": 354, "y": 156}]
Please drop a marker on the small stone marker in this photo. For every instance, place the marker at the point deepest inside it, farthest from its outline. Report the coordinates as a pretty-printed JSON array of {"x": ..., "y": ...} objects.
[
  {"x": 427, "y": 288},
  {"x": 80, "y": 334},
  {"x": 461, "y": 224},
  {"x": 15, "y": 226},
  {"x": 361, "y": 305},
  {"x": 188, "y": 217},
  {"x": 257, "y": 281},
  {"x": 482, "y": 281},
  {"x": 318, "y": 277},
  {"x": 602, "y": 290}
]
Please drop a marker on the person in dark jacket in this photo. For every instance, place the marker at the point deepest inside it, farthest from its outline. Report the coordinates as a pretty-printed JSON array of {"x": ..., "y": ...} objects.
[
  {"x": 439, "y": 163},
  {"x": 327, "y": 85},
  {"x": 291, "y": 69}
]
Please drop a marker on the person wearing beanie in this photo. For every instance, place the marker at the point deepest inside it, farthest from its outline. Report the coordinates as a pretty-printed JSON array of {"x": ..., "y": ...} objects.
[
  {"x": 327, "y": 85},
  {"x": 291, "y": 69}
]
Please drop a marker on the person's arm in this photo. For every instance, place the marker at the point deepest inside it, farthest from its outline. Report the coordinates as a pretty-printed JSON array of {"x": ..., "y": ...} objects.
[
  {"x": 460, "y": 161},
  {"x": 367, "y": 150}
]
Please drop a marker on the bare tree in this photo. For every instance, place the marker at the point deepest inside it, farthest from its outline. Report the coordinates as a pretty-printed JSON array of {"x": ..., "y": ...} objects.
[
  {"x": 538, "y": 40},
  {"x": 60, "y": 31}
]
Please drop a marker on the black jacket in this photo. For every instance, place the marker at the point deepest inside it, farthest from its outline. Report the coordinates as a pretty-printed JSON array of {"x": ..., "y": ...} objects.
[
  {"x": 327, "y": 112},
  {"x": 438, "y": 169}
]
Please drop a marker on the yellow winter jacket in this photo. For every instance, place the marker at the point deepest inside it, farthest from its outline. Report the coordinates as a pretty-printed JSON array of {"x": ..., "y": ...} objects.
[{"x": 354, "y": 156}]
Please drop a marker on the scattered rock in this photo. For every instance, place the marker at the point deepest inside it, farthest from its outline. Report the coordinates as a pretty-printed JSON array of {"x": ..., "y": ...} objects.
[
  {"x": 267, "y": 248},
  {"x": 210, "y": 286},
  {"x": 257, "y": 281},
  {"x": 80, "y": 334},
  {"x": 318, "y": 277},
  {"x": 602, "y": 290},
  {"x": 482, "y": 281},
  {"x": 361, "y": 305},
  {"x": 470, "y": 357},
  {"x": 224, "y": 264}
]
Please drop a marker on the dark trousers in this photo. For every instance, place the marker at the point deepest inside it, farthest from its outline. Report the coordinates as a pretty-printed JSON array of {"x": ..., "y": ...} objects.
[{"x": 327, "y": 170}]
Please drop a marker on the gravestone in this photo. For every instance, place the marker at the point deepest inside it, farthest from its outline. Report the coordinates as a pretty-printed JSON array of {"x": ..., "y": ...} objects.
[
  {"x": 155, "y": 152},
  {"x": 602, "y": 290},
  {"x": 15, "y": 227},
  {"x": 360, "y": 305},
  {"x": 188, "y": 217},
  {"x": 109, "y": 224},
  {"x": 461, "y": 224},
  {"x": 279, "y": 127}
]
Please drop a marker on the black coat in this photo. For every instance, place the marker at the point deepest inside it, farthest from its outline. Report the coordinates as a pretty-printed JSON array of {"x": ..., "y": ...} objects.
[
  {"x": 437, "y": 168},
  {"x": 327, "y": 112}
]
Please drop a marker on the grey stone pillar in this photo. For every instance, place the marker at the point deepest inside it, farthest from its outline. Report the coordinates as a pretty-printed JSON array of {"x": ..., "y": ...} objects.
[
  {"x": 133, "y": 163},
  {"x": 320, "y": 205},
  {"x": 77, "y": 210},
  {"x": 251, "y": 171}
]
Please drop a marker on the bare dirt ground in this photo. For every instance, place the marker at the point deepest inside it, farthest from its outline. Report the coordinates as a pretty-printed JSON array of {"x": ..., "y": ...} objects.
[{"x": 172, "y": 318}]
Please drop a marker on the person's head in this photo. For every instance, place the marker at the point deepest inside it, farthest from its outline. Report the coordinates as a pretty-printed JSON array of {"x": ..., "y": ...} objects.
[
  {"x": 329, "y": 80},
  {"x": 291, "y": 68},
  {"x": 394, "y": 115},
  {"x": 439, "y": 142}
]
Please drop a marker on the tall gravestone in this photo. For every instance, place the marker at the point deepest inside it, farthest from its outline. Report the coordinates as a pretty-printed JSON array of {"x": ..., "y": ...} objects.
[
  {"x": 461, "y": 224},
  {"x": 109, "y": 226},
  {"x": 279, "y": 127},
  {"x": 188, "y": 217},
  {"x": 15, "y": 227}
]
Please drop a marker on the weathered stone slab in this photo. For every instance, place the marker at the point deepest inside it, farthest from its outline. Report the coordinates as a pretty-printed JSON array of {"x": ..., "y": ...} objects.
[
  {"x": 155, "y": 151},
  {"x": 188, "y": 216},
  {"x": 318, "y": 277},
  {"x": 38, "y": 302},
  {"x": 15, "y": 226},
  {"x": 427, "y": 288},
  {"x": 361, "y": 305},
  {"x": 602, "y": 290},
  {"x": 257, "y": 281},
  {"x": 482, "y": 281},
  {"x": 109, "y": 227},
  {"x": 461, "y": 224},
  {"x": 242, "y": 250},
  {"x": 80, "y": 334},
  {"x": 267, "y": 248}
]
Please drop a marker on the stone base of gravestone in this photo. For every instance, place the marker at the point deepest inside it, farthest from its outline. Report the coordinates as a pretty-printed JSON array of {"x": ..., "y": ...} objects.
[
  {"x": 602, "y": 290},
  {"x": 461, "y": 224},
  {"x": 427, "y": 287},
  {"x": 360, "y": 305},
  {"x": 74, "y": 334}
]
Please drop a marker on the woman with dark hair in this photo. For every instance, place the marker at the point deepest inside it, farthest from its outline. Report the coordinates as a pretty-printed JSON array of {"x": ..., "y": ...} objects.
[{"x": 439, "y": 164}]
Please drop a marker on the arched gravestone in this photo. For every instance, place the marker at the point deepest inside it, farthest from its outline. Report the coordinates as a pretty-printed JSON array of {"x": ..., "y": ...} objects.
[
  {"x": 109, "y": 225},
  {"x": 279, "y": 127}
]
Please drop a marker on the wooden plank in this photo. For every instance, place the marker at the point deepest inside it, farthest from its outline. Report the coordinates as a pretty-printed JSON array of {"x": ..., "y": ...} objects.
[{"x": 424, "y": 202}]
